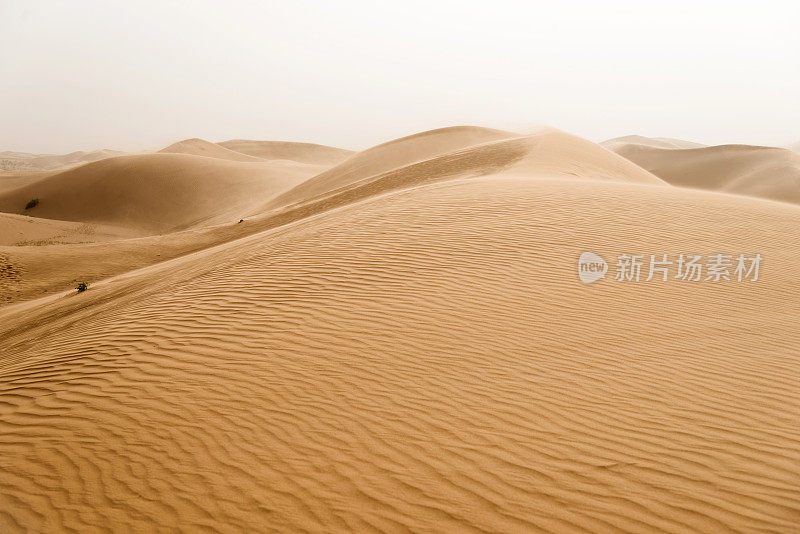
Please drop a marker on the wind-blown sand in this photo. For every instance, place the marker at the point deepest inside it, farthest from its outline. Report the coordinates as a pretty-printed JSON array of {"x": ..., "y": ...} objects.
[{"x": 409, "y": 348}]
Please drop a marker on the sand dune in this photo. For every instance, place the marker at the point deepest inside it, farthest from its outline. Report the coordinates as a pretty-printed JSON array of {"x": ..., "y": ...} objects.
[
  {"x": 392, "y": 155},
  {"x": 302, "y": 152},
  {"x": 547, "y": 154},
  {"x": 765, "y": 172},
  {"x": 654, "y": 142},
  {"x": 397, "y": 343},
  {"x": 21, "y": 230},
  {"x": 156, "y": 192},
  {"x": 9, "y": 181},
  {"x": 201, "y": 147},
  {"x": 22, "y": 161},
  {"x": 463, "y": 151},
  {"x": 425, "y": 357}
]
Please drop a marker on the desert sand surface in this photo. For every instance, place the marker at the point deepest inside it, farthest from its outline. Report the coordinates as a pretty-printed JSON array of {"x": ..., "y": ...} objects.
[
  {"x": 765, "y": 172},
  {"x": 396, "y": 340}
]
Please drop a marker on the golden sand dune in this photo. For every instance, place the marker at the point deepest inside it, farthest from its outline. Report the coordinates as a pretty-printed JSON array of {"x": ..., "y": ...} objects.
[
  {"x": 302, "y": 152},
  {"x": 157, "y": 192},
  {"x": 549, "y": 153},
  {"x": 201, "y": 147},
  {"x": 464, "y": 151},
  {"x": 392, "y": 155},
  {"x": 764, "y": 172},
  {"x": 22, "y": 161},
  {"x": 424, "y": 359}
]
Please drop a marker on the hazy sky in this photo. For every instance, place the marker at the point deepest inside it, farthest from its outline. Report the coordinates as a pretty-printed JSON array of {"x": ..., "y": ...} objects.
[{"x": 140, "y": 75}]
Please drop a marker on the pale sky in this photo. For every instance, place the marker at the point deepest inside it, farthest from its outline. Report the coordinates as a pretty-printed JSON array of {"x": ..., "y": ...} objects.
[{"x": 83, "y": 75}]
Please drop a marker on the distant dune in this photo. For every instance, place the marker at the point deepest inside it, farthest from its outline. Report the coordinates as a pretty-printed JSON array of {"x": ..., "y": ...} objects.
[
  {"x": 654, "y": 142},
  {"x": 21, "y": 230},
  {"x": 156, "y": 192},
  {"x": 22, "y": 161},
  {"x": 302, "y": 152},
  {"x": 764, "y": 172},
  {"x": 795, "y": 147},
  {"x": 397, "y": 342},
  {"x": 200, "y": 147}
]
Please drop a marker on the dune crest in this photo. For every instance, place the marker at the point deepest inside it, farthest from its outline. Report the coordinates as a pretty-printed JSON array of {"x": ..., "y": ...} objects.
[
  {"x": 392, "y": 155},
  {"x": 547, "y": 153}
]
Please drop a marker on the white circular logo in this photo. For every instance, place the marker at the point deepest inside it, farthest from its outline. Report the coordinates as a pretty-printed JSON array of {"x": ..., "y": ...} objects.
[{"x": 591, "y": 267}]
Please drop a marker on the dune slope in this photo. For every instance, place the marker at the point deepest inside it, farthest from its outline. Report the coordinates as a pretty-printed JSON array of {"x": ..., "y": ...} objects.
[
  {"x": 156, "y": 192},
  {"x": 422, "y": 357},
  {"x": 764, "y": 172}
]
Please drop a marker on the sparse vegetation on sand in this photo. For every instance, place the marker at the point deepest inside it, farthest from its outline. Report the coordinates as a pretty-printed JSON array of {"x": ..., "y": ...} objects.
[{"x": 32, "y": 203}]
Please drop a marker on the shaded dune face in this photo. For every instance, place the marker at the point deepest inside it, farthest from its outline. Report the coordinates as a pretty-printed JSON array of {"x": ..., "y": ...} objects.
[
  {"x": 157, "y": 192},
  {"x": 764, "y": 172},
  {"x": 423, "y": 358}
]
